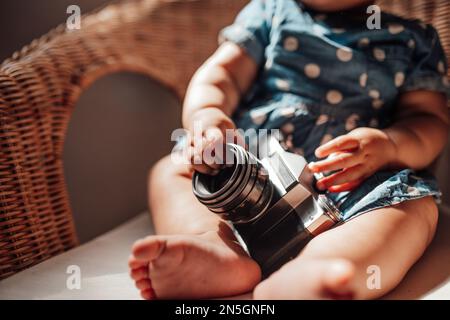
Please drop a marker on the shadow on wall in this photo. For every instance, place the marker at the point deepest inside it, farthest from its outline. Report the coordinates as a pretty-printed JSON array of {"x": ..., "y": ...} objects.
[
  {"x": 25, "y": 20},
  {"x": 120, "y": 127}
]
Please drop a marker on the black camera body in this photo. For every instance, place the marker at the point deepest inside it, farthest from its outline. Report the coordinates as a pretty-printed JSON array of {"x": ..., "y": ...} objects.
[{"x": 270, "y": 201}]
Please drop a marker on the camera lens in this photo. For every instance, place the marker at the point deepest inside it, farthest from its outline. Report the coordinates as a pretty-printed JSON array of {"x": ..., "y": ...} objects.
[{"x": 240, "y": 192}]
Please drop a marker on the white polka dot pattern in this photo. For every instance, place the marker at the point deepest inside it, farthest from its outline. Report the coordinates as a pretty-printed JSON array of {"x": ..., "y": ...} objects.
[
  {"x": 275, "y": 21},
  {"x": 338, "y": 30},
  {"x": 334, "y": 97},
  {"x": 363, "y": 42},
  {"x": 287, "y": 112},
  {"x": 375, "y": 94},
  {"x": 282, "y": 84},
  {"x": 312, "y": 70},
  {"x": 351, "y": 122},
  {"x": 373, "y": 123},
  {"x": 379, "y": 54},
  {"x": 323, "y": 118},
  {"x": 363, "y": 80},
  {"x": 377, "y": 103},
  {"x": 395, "y": 28},
  {"x": 399, "y": 79},
  {"x": 258, "y": 117},
  {"x": 344, "y": 54},
  {"x": 269, "y": 64},
  {"x": 288, "y": 128},
  {"x": 413, "y": 191},
  {"x": 290, "y": 44}
]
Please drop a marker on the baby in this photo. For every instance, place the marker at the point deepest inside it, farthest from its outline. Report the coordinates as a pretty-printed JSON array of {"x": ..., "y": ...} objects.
[{"x": 374, "y": 99}]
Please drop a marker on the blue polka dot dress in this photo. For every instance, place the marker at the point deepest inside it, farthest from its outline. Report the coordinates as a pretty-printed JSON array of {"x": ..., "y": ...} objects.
[{"x": 323, "y": 75}]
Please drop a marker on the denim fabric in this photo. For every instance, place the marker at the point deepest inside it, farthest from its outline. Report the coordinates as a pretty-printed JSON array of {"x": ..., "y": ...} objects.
[
  {"x": 323, "y": 75},
  {"x": 386, "y": 188}
]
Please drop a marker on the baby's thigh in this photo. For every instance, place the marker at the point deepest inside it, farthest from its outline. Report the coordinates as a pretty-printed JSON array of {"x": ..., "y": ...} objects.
[
  {"x": 392, "y": 237},
  {"x": 166, "y": 170}
]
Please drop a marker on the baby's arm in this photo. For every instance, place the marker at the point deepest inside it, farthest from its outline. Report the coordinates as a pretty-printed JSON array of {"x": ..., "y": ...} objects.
[
  {"x": 421, "y": 129},
  {"x": 413, "y": 141},
  {"x": 214, "y": 93},
  {"x": 219, "y": 82}
]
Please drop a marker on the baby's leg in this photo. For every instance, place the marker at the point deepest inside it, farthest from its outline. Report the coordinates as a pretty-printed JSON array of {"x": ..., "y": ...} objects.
[
  {"x": 195, "y": 254},
  {"x": 335, "y": 263}
]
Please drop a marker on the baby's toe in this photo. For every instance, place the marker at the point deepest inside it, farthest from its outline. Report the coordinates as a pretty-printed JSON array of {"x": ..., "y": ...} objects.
[
  {"x": 143, "y": 284},
  {"x": 337, "y": 279},
  {"x": 149, "y": 248},
  {"x": 139, "y": 273},
  {"x": 170, "y": 259},
  {"x": 134, "y": 263},
  {"x": 148, "y": 294}
]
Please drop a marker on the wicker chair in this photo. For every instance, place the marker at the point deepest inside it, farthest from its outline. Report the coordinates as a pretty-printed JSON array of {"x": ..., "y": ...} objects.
[{"x": 40, "y": 84}]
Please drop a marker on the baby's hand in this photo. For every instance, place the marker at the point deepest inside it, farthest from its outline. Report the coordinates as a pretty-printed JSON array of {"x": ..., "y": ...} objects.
[
  {"x": 213, "y": 124},
  {"x": 356, "y": 155}
]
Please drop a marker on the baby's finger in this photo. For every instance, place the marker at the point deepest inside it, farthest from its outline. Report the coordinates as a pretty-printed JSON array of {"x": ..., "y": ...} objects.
[
  {"x": 195, "y": 159},
  {"x": 337, "y": 161},
  {"x": 204, "y": 151},
  {"x": 214, "y": 135},
  {"x": 205, "y": 169},
  {"x": 349, "y": 186},
  {"x": 213, "y": 150},
  {"x": 195, "y": 156},
  {"x": 347, "y": 175},
  {"x": 342, "y": 143}
]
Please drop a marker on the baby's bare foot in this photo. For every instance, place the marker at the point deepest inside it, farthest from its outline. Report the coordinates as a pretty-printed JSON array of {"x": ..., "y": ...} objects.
[
  {"x": 191, "y": 266},
  {"x": 309, "y": 279}
]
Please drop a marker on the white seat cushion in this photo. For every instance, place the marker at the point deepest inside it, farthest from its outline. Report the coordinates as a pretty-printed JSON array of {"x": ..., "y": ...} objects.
[
  {"x": 104, "y": 271},
  {"x": 103, "y": 263}
]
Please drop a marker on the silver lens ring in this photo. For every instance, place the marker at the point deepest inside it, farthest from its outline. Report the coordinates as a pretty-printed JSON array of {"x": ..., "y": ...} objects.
[
  {"x": 238, "y": 193},
  {"x": 329, "y": 208}
]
